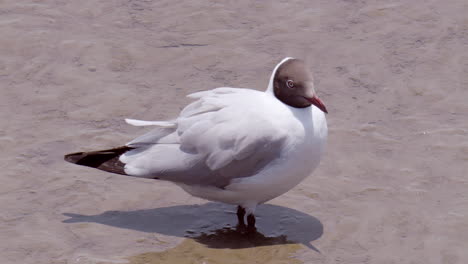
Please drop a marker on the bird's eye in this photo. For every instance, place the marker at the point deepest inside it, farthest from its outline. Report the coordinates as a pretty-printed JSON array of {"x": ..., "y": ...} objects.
[{"x": 290, "y": 84}]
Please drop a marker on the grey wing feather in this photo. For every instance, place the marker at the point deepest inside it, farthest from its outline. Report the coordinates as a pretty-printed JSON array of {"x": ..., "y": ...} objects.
[
  {"x": 211, "y": 144},
  {"x": 169, "y": 162}
]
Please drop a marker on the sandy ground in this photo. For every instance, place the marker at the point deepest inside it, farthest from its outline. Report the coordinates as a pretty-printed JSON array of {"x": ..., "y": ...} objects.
[{"x": 393, "y": 187}]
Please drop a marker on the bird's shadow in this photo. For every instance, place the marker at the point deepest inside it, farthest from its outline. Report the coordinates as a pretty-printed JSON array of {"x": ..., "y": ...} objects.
[{"x": 214, "y": 224}]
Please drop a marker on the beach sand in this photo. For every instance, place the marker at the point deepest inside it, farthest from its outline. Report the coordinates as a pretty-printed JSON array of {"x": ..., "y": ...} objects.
[{"x": 392, "y": 187}]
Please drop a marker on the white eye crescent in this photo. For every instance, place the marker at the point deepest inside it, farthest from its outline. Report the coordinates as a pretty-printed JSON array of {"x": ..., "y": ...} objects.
[{"x": 290, "y": 84}]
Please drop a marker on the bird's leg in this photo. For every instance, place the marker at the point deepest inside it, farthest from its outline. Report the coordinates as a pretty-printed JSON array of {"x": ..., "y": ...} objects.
[
  {"x": 240, "y": 215},
  {"x": 251, "y": 222}
]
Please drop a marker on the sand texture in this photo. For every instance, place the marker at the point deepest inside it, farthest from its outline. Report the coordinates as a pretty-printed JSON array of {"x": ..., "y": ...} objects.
[{"x": 392, "y": 188}]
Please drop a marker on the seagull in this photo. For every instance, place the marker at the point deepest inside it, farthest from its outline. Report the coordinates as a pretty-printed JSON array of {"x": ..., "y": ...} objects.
[{"x": 233, "y": 145}]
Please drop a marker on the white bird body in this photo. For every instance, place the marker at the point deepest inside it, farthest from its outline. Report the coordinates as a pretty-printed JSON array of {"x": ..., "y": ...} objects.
[
  {"x": 306, "y": 139},
  {"x": 233, "y": 145},
  {"x": 243, "y": 112}
]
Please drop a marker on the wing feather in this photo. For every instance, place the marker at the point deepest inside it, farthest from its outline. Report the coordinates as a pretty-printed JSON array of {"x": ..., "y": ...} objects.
[{"x": 223, "y": 135}]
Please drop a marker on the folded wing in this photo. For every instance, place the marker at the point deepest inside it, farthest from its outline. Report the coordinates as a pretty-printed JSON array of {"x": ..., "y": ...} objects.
[{"x": 224, "y": 134}]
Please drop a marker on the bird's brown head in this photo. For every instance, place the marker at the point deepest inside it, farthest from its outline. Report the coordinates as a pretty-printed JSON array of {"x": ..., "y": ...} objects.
[{"x": 293, "y": 85}]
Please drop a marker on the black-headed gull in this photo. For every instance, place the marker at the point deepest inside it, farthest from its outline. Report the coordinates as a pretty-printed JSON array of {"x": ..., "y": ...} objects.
[{"x": 233, "y": 145}]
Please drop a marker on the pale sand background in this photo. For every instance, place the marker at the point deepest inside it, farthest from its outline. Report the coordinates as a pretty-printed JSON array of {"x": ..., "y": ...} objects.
[{"x": 393, "y": 187}]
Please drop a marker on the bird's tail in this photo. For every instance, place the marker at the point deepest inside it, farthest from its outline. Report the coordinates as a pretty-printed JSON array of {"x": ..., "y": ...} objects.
[{"x": 106, "y": 160}]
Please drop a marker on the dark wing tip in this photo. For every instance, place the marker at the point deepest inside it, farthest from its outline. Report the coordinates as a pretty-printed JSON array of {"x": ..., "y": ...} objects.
[
  {"x": 106, "y": 160},
  {"x": 74, "y": 157}
]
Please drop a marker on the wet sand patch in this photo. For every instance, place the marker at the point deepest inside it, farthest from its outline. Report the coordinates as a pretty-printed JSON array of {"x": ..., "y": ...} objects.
[{"x": 192, "y": 252}]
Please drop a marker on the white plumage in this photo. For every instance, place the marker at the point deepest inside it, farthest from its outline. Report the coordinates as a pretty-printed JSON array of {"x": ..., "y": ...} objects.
[{"x": 233, "y": 145}]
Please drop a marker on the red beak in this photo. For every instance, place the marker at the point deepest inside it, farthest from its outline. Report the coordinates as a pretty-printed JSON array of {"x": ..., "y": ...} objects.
[{"x": 318, "y": 103}]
